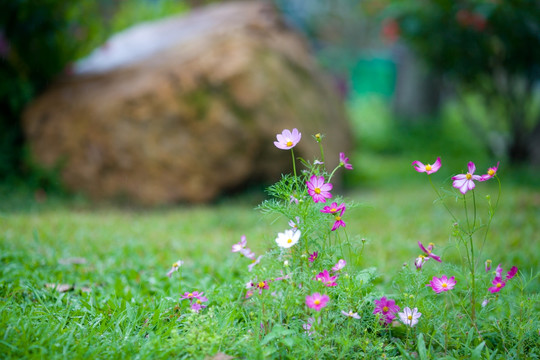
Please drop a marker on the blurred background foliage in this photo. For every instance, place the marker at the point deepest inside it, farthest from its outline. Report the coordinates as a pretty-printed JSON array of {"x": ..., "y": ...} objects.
[
  {"x": 417, "y": 76},
  {"x": 38, "y": 42}
]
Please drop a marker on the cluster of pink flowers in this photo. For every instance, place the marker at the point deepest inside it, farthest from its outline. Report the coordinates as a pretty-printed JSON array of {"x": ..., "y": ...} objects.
[
  {"x": 498, "y": 282},
  {"x": 462, "y": 182},
  {"x": 196, "y": 300}
]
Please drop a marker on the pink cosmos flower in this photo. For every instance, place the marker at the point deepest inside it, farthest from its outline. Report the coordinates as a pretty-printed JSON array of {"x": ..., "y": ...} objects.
[
  {"x": 313, "y": 256},
  {"x": 287, "y": 139},
  {"x": 175, "y": 266},
  {"x": 419, "y": 262},
  {"x": 350, "y": 314},
  {"x": 340, "y": 265},
  {"x": 240, "y": 245},
  {"x": 409, "y": 317},
  {"x": 465, "y": 182},
  {"x": 292, "y": 199},
  {"x": 339, "y": 222},
  {"x": 442, "y": 284},
  {"x": 429, "y": 169},
  {"x": 197, "y": 306},
  {"x": 326, "y": 279},
  {"x": 333, "y": 209},
  {"x": 194, "y": 295},
  {"x": 317, "y": 189},
  {"x": 513, "y": 271},
  {"x": 498, "y": 282},
  {"x": 428, "y": 252},
  {"x": 488, "y": 265},
  {"x": 344, "y": 161},
  {"x": 317, "y": 301},
  {"x": 387, "y": 308},
  {"x": 255, "y": 262},
  {"x": 248, "y": 253},
  {"x": 307, "y": 326},
  {"x": 492, "y": 171},
  {"x": 294, "y": 223},
  {"x": 262, "y": 285}
]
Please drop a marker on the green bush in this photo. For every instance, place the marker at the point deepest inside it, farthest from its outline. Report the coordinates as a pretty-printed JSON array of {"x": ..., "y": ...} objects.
[{"x": 490, "y": 48}]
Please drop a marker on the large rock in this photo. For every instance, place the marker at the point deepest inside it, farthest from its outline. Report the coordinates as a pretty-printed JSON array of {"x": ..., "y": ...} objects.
[{"x": 187, "y": 107}]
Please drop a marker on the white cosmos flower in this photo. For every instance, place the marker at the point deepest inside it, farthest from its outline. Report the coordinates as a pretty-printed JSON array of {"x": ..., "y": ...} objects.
[
  {"x": 288, "y": 238},
  {"x": 409, "y": 317}
]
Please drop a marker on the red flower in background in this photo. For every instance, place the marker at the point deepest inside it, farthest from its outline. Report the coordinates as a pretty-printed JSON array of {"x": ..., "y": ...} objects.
[{"x": 391, "y": 31}]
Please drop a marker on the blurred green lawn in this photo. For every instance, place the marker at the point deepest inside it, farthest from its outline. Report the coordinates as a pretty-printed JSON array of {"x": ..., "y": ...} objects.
[{"x": 396, "y": 209}]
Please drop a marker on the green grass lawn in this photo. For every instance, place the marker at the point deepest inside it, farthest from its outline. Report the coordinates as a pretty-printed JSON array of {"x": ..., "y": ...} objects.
[
  {"x": 123, "y": 304},
  {"x": 114, "y": 260}
]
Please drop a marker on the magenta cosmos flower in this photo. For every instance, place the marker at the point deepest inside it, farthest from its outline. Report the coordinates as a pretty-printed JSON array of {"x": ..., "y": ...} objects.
[
  {"x": 344, "y": 161},
  {"x": 317, "y": 301},
  {"x": 499, "y": 282},
  {"x": 387, "y": 308},
  {"x": 465, "y": 182},
  {"x": 318, "y": 189},
  {"x": 492, "y": 171},
  {"x": 442, "y": 284},
  {"x": 429, "y": 169},
  {"x": 313, "y": 256},
  {"x": 333, "y": 208},
  {"x": 338, "y": 221},
  {"x": 194, "y": 295},
  {"x": 326, "y": 279},
  {"x": 409, "y": 317},
  {"x": 287, "y": 139},
  {"x": 428, "y": 252}
]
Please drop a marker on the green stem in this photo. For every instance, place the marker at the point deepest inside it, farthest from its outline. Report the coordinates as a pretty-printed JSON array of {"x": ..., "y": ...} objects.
[
  {"x": 332, "y": 174},
  {"x": 442, "y": 200}
]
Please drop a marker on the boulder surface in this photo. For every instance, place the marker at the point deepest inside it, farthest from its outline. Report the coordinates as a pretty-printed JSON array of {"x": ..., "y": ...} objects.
[{"x": 185, "y": 108}]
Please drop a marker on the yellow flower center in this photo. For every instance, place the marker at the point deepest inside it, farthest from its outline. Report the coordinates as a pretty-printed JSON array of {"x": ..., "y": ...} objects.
[
  {"x": 468, "y": 176},
  {"x": 444, "y": 285},
  {"x": 409, "y": 317},
  {"x": 199, "y": 301},
  {"x": 317, "y": 190},
  {"x": 333, "y": 210},
  {"x": 317, "y": 302},
  {"x": 385, "y": 309},
  {"x": 289, "y": 241},
  {"x": 491, "y": 172},
  {"x": 190, "y": 295},
  {"x": 499, "y": 285},
  {"x": 428, "y": 167},
  {"x": 338, "y": 218},
  {"x": 289, "y": 143},
  {"x": 261, "y": 284}
]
